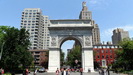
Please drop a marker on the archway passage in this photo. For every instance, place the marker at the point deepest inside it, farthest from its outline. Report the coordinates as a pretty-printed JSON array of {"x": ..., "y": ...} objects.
[
  {"x": 71, "y": 47},
  {"x": 62, "y": 30}
]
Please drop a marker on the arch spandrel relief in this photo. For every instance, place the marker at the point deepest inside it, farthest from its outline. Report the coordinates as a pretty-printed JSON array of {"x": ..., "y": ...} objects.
[
  {"x": 53, "y": 41},
  {"x": 87, "y": 41}
]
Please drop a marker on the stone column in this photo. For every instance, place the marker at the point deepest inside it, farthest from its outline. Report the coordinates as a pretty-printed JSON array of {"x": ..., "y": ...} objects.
[
  {"x": 54, "y": 59},
  {"x": 87, "y": 59}
]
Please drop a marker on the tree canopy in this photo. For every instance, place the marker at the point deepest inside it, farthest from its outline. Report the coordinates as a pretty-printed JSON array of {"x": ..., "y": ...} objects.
[
  {"x": 74, "y": 54},
  {"x": 124, "y": 56},
  {"x": 15, "y": 45}
]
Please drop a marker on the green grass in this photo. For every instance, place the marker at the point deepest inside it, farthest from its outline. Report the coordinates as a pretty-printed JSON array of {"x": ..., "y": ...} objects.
[{"x": 7, "y": 74}]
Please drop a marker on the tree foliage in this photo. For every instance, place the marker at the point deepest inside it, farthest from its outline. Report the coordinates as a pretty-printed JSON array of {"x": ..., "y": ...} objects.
[
  {"x": 62, "y": 56},
  {"x": 15, "y": 48},
  {"x": 124, "y": 57},
  {"x": 74, "y": 54}
]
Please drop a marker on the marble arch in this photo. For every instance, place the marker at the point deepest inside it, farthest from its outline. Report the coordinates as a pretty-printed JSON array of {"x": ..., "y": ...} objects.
[{"x": 62, "y": 30}]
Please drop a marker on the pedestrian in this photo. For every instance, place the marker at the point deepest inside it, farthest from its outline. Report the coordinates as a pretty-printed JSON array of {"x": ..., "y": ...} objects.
[
  {"x": 105, "y": 71},
  {"x": 102, "y": 72},
  {"x": 68, "y": 71},
  {"x": 81, "y": 71},
  {"x": 57, "y": 71},
  {"x": 0, "y": 71},
  {"x": 108, "y": 71},
  {"x": 35, "y": 72},
  {"x": 62, "y": 71},
  {"x": 26, "y": 71}
]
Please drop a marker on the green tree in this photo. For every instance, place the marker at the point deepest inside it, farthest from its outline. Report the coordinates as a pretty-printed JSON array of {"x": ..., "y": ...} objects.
[
  {"x": 15, "y": 49},
  {"x": 74, "y": 54},
  {"x": 62, "y": 56},
  {"x": 124, "y": 56}
]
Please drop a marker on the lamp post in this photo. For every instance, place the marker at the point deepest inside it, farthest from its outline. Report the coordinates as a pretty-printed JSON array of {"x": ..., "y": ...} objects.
[
  {"x": 1, "y": 50},
  {"x": 34, "y": 63}
]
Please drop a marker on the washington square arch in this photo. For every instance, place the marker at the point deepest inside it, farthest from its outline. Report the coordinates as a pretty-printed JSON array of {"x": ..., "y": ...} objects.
[
  {"x": 61, "y": 30},
  {"x": 84, "y": 30}
]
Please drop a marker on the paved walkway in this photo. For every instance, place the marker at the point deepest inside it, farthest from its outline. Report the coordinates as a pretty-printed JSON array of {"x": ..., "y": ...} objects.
[
  {"x": 72, "y": 73},
  {"x": 75, "y": 73}
]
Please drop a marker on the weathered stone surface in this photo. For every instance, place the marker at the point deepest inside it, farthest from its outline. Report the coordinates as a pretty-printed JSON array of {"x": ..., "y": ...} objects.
[{"x": 72, "y": 30}]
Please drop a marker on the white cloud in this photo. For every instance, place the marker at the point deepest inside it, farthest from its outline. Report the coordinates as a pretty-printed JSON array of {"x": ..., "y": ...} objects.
[
  {"x": 98, "y": 4},
  {"x": 106, "y": 34}
]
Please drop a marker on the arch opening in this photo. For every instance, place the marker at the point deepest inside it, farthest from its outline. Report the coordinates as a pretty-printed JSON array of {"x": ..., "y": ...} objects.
[{"x": 72, "y": 48}]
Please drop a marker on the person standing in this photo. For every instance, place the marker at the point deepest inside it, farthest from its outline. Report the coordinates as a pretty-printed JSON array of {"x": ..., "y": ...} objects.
[
  {"x": 108, "y": 71},
  {"x": 27, "y": 71},
  {"x": 57, "y": 71},
  {"x": 62, "y": 71},
  {"x": 68, "y": 71},
  {"x": 102, "y": 72},
  {"x": 0, "y": 71}
]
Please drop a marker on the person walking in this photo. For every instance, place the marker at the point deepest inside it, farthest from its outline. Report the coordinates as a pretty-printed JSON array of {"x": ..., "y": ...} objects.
[
  {"x": 57, "y": 71},
  {"x": 35, "y": 72}
]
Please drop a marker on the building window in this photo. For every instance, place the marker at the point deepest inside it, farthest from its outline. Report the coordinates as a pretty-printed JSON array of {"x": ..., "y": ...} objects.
[
  {"x": 110, "y": 51},
  {"x": 36, "y": 55},
  {"x": 106, "y": 51},
  {"x": 102, "y": 51},
  {"x": 37, "y": 52},
  {"x": 110, "y": 56},
  {"x": 34, "y": 10},
  {"x": 98, "y": 56},
  {"x": 102, "y": 56},
  {"x": 30, "y": 11},
  {"x": 106, "y": 56},
  {"x": 98, "y": 51}
]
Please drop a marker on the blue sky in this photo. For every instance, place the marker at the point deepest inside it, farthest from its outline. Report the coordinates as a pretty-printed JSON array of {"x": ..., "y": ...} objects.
[{"x": 108, "y": 14}]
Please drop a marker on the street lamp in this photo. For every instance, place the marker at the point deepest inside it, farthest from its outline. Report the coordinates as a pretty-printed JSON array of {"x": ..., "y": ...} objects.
[
  {"x": 1, "y": 50},
  {"x": 34, "y": 62}
]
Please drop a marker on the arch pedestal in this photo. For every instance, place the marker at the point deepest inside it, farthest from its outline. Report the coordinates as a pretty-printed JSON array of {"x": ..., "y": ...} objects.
[
  {"x": 54, "y": 59},
  {"x": 87, "y": 59}
]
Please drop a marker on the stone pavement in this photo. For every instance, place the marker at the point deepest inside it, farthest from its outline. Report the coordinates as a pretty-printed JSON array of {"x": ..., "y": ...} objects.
[{"x": 74, "y": 73}]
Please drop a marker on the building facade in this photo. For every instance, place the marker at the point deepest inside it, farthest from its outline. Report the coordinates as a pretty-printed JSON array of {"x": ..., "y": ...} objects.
[
  {"x": 40, "y": 57},
  {"x": 87, "y": 15},
  {"x": 105, "y": 54},
  {"x": 36, "y": 24},
  {"x": 119, "y": 35}
]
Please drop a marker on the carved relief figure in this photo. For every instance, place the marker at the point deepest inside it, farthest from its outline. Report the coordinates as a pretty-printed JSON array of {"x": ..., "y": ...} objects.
[
  {"x": 87, "y": 41},
  {"x": 53, "y": 41}
]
